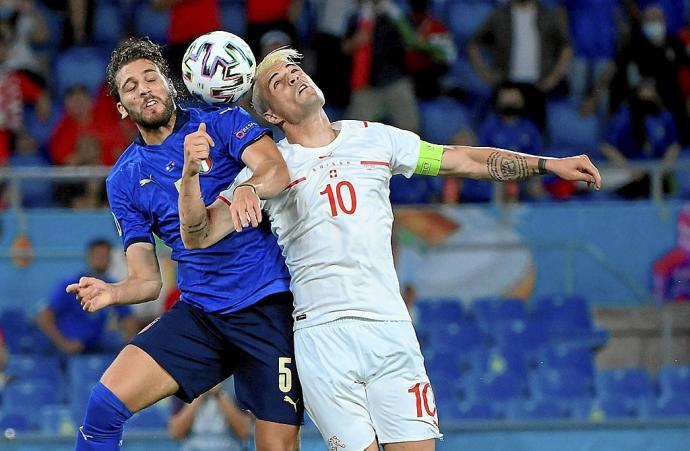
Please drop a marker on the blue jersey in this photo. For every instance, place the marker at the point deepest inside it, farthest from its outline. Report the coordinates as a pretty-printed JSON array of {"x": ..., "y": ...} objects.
[{"x": 236, "y": 272}]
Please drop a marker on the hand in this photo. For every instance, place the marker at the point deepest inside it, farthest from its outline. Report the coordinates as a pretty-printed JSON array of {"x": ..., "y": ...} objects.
[
  {"x": 245, "y": 208},
  {"x": 197, "y": 147},
  {"x": 70, "y": 346},
  {"x": 93, "y": 294},
  {"x": 578, "y": 168}
]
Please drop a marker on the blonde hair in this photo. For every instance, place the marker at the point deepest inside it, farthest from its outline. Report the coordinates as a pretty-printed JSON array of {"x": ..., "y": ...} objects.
[{"x": 283, "y": 55}]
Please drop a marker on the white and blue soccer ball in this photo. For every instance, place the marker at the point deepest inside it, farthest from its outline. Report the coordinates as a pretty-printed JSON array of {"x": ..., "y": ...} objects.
[{"x": 218, "y": 68}]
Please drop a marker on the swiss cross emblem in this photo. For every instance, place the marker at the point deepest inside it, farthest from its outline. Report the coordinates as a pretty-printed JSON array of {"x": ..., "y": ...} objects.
[{"x": 333, "y": 173}]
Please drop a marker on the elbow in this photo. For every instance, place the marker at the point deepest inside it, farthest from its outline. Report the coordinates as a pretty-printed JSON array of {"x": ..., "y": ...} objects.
[{"x": 189, "y": 243}]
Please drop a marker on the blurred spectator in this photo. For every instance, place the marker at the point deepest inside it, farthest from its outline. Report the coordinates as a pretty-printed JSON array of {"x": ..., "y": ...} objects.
[
  {"x": 10, "y": 105},
  {"x": 189, "y": 19},
  {"x": 675, "y": 11},
  {"x": 654, "y": 53},
  {"x": 671, "y": 272},
  {"x": 332, "y": 17},
  {"x": 89, "y": 194},
  {"x": 381, "y": 89},
  {"x": 273, "y": 40},
  {"x": 527, "y": 44},
  {"x": 4, "y": 356},
  {"x": 594, "y": 34},
  {"x": 212, "y": 422},
  {"x": 83, "y": 116},
  {"x": 509, "y": 128},
  {"x": 78, "y": 26},
  {"x": 24, "y": 26},
  {"x": 34, "y": 192},
  {"x": 642, "y": 129},
  {"x": 426, "y": 67},
  {"x": 74, "y": 331},
  {"x": 266, "y": 15}
]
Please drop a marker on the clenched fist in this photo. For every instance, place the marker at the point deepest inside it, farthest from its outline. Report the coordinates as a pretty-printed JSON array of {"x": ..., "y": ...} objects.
[{"x": 197, "y": 147}]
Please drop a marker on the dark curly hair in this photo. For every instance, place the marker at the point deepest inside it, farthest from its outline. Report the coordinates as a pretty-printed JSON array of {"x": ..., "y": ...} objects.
[{"x": 130, "y": 50}]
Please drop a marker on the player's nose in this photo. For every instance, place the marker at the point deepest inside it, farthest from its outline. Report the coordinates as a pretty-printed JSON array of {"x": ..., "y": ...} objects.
[{"x": 294, "y": 78}]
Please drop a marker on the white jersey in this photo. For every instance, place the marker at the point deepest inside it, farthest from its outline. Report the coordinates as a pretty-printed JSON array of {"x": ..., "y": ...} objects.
[{"x": 334, "y": 222}]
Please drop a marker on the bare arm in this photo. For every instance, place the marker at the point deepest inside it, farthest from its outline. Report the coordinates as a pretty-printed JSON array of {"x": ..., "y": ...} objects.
[
  {"x": 671, "y": 154},
  {"x": 180, "y": 423},
  {"x": 46, "y": 322},
  {"x": 143, "y": 282},
  {"x": 505, "y": 165},
  {"x": 614, "y": 155},
  {"x": 240, "y": 422}
]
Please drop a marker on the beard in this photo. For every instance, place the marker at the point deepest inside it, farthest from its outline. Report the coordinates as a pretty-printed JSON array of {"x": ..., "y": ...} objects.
[{"x": 154, "y": 122}]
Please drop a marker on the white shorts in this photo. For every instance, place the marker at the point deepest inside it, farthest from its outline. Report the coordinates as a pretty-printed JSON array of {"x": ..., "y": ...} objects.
[{"x": 364, "y": 379}]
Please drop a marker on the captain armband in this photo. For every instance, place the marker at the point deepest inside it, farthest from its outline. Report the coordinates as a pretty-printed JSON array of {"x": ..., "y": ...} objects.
[{"x": 430, "y": 156}]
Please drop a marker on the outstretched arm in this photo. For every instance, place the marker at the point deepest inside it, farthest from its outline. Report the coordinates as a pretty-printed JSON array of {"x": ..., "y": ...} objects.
[{"x": 505, "y": 165}]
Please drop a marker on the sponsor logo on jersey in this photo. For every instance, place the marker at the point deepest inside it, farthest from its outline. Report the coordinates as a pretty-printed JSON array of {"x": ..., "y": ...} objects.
[
  {"x": 241, "y": 133},
  {"x": 143, "y": 182},
  {"x": 301, "y": 317}
]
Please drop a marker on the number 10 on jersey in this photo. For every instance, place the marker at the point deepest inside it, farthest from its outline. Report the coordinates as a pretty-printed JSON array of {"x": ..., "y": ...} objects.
[{"x": 336, "y": 197}]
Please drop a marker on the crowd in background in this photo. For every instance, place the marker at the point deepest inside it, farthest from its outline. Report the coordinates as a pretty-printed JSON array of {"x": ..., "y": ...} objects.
[{"x": 518, "y": 74}]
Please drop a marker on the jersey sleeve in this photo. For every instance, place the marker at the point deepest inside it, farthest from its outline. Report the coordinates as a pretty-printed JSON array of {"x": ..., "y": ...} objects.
[
  {"x": 132, "y": 225},
  {"x": 241, "y": 131},
  {"x": 405, "y": 153}
]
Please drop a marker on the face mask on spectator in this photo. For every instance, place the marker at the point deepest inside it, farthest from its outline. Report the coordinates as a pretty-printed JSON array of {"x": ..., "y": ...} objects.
[
  {"x": 655, "y": 31},
  {"x": 509, "y": 111}
]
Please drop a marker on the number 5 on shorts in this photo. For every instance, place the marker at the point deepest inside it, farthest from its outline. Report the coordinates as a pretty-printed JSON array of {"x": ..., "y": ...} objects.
[{"x": 284, "y": 374}]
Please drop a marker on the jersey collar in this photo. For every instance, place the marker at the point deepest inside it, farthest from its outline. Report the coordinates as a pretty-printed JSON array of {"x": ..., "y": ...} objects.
[{"x": 181, "y": 119}]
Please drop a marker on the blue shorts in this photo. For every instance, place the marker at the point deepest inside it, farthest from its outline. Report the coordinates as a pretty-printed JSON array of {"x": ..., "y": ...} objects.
[{"x": 201, "y": 349}]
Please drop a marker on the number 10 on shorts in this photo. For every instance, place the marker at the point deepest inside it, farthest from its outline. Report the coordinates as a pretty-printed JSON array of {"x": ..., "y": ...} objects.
[{"x": 423, "y": 394}]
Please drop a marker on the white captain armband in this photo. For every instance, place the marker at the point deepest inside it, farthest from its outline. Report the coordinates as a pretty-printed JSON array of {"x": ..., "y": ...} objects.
[{"x": 430, "y": 156}]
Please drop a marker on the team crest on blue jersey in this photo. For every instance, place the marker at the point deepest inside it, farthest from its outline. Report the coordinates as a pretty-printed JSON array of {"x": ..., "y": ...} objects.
[{"x": 206, "y": 166}]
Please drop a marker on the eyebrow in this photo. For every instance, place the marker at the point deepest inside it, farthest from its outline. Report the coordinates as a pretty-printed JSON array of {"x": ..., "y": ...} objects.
[
  {"x": 276, "y": 73},
  {"x": 132, "y": 77}
]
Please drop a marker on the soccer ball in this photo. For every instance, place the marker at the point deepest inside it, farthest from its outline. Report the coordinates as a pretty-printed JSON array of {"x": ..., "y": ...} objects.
[{"x": 218, "y": 68}]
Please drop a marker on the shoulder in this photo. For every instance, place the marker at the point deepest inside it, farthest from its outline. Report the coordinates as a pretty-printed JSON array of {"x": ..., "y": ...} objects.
[{"x": 125, "y": 166}]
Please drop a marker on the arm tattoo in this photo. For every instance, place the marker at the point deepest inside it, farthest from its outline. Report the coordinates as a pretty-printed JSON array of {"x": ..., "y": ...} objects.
[
  {"x": 201, "y": 227},
  {"x": 505, "y": 167}
]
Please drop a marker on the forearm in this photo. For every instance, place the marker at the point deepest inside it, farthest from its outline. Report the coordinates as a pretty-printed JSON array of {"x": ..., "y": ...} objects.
[
  {"x": 614, "y": 155},
  {"x": 194, "y": 224},
  {"x": 240, "y": 423},
  {"x": 269, "y": 178},
  {"x": 180, "y": 423},
  {"x": 135, "y": 290},
  {"x": 671, "y": 154},
  {"x": 490, "y": 163},
  {"x": 46, "y": 322},
  {"x": 560, "y": 70}
]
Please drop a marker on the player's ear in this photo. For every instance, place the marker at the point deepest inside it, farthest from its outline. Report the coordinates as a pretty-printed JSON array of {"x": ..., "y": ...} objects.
[
  {"x": 121, "y": 109},
  {"x": 271, "y": 118}
]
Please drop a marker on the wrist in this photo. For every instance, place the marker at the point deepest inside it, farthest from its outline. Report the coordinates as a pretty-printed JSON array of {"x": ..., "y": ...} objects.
[{"x": 241, "y": 185}]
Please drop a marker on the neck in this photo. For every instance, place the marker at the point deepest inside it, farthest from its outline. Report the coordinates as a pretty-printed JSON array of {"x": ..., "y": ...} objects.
[
  {"x": 158, "y": 135},
  {"x": 312, "y": 131}
]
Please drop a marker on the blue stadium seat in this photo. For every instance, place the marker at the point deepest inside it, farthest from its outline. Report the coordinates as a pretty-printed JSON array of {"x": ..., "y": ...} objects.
[
  {"x": 666, "y": 407},
  {"x": 464, "y": 18},
  {"x": 19, "y": 421},
  {"x": 568, "y": 131},
  {"x": 80, "y": 66},
  {"x": 154, "y": 417},
  {"x": 439, "y": 310},
  {"x": 454, "y": 337},
  {"x": 441, "y": 118},
  {"x": 107, "y": 23},
  {"x": 674, "y": 380},
  {"x": 454, "y": 410},
  {"x": 418, "y": 189},
  {"x": 30, "y": 368},
  {"x": 498, "y": 313},
  {"x": 56, "y": 420},
  {"x": 14, "y": 326},
  {"x": 567, "y": 320},
  {"x": 562, "y": 383},
  {"x": 151, "y": 22},
  {"x": 233, "y": 17},
  {"x": 580, "y": 360},
  {"x": 498, "y": 362},
  {"x": 83, "y": 372},
  {"x": 600, "y": 409},
  {"x": 632, "y": 383},
  {"x": 463, "y": 75},
  {"x": 525, "y": 335},
  {"x": 26, "y": 396},
  {"x": 534, "y": 409},
  {"x": 496, "y": 387}
]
